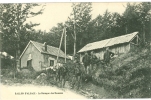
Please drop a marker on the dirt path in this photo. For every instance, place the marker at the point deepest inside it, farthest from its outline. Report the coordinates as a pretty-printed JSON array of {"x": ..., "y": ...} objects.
[{"x": 31, "y": 92}]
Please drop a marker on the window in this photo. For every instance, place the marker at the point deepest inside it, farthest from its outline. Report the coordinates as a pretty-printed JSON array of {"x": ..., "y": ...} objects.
[
  {"x": 51, "y": 62},
  {"x": 29, "y": 57}
]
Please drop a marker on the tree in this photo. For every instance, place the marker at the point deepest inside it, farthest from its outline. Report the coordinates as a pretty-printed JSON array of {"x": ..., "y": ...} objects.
[
  {"x": 144, "y": 13},
  {"x": 14, "y": 27},
  {"x": 53, "y": 37},
  {"x": 79, "y": 20},
  {"x": 104, "y": 26},
  {"x": 1, "y": 10},
  {"x": 137, "y": 18}
]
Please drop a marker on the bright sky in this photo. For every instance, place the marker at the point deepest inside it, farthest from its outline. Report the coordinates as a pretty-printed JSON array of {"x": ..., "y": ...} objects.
[{"x": 58, "y": 12}]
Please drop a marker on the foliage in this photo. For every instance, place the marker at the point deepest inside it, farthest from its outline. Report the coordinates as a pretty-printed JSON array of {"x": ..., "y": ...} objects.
[
  {"x": 77, "y": 25},
  {"x": 14, "y": 27},
  {"x": 6, "y": 63},
  {"x": 131, "y": 80},
  {"x": 137, "y": 18}
]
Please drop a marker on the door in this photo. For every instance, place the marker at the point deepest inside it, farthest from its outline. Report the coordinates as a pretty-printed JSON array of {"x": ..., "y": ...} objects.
[{"x": 29, "y": 63}]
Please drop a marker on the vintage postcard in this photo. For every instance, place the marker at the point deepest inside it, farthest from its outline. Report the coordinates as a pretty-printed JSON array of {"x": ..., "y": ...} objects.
[{"x": 75, "y": 50}]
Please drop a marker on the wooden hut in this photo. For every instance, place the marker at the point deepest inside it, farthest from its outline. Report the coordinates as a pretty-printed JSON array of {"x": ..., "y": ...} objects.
[{"x": 118, "y": 45}]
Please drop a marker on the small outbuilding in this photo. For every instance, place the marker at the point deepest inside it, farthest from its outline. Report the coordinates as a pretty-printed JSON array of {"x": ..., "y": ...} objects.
[
  {"x": 40, "y": 56},
  {"x": 118, "y": 45}
]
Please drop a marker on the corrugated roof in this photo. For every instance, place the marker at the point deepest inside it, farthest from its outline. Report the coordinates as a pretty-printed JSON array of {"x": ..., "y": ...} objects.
[
  {"x": 109, "y": 42},
  {"x": 50, "y": 49}
]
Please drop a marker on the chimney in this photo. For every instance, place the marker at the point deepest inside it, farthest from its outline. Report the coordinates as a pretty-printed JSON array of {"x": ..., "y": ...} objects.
[{"x": 45, "y": 46}]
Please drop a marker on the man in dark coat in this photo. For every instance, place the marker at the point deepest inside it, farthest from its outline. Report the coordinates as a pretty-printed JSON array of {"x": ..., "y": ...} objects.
[
  {"x": 93, "y": 60},
  {"x": 86, "y": 61},
  {"x": 76, "y": 78},
  {"x": 62, "y": 74},
  {"x": 107, "y": 56}
]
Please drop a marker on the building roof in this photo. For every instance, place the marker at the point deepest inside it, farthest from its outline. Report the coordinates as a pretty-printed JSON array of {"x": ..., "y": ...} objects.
[
  {"x": 109, "y": 42},
  {"x": 50, "y": 49}
]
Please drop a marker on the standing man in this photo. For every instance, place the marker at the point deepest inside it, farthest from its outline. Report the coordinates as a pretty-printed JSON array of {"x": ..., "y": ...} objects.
[
  {"x": 63, "y": 74},
  {"x": 86, "y": 62},
  {"x": 107, "y": 56},
  {"x": 76, "y": 79},
  {"x": 93, "y": 60}
]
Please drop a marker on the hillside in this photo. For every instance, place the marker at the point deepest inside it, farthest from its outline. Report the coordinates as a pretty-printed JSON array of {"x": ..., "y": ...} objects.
[{"x": 129, "y": 75}]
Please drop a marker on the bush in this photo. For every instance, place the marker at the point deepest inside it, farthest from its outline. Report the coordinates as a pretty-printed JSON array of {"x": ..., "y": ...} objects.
[
  {"x": 131, "y": 80},
  {"x": 26, "y": 74},
  {"x": 7, "y": 72}
]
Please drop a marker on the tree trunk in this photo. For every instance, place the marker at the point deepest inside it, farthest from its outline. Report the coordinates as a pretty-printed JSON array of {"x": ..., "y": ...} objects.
[
  {"x": 126, "y": 29},
  {"x": 17, "y": 56},
  {"x": 17, "y": 65},
  {"x": 65, "y": 44},
  {"x": 0, "y": 47},
  {"x": 144, "y": 39},
  {"x": 74, "y": 41},
  {"x": 18, "y": 45}
]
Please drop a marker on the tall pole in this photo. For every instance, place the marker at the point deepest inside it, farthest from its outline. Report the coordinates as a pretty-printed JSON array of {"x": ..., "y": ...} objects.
[
  {"x": 60, "y": 45},
  {"x": 74, "y": 40},
  {"x": 65, "y": 43}
]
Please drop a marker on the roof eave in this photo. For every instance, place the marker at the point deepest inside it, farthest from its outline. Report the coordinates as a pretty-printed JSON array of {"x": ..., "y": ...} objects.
[
  {"x": 103, "y": 47},
  {"x": 53, "y": 55},
  {"x": 134, "y": 37},
  {"x": 24, "y": 49},
  {"x": 35, "y": 46},
  {"x": 27, "y": 47}
]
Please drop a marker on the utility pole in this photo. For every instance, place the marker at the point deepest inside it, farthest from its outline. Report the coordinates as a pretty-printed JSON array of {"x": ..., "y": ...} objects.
[
  {"x": 60, "y": 46},
  {"x": 65, "y": 43}
]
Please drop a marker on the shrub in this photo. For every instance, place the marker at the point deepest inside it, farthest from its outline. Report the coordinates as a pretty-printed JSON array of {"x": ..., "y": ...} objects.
[
  {"x": 131, "y": 80},
  {"x": 25, "y": 73}
]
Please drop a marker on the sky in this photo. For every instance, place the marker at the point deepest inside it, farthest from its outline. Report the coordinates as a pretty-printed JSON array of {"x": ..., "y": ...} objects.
[{"x": 59, "y": 12}]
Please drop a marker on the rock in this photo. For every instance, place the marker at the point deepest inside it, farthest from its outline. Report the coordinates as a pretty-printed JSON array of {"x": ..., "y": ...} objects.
[
  {"x": 6, "y": 81},
  {"x": 41, "y": 79},
  {"x": 41, "y": 76}
]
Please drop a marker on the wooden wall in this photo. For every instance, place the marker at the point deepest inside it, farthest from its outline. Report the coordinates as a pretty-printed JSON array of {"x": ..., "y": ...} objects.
[{"x": 117, "y": 49}]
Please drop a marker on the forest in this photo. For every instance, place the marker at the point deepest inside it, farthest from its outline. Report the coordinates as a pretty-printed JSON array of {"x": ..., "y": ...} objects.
[{"x": 80, "y": 27}]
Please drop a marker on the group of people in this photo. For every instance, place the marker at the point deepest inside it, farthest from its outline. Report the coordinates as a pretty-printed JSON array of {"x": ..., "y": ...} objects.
[{"x": 89, "y": 61}]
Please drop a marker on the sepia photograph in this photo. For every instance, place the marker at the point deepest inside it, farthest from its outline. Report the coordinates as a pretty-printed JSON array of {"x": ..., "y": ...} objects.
[{"x": 75, "y": 50}]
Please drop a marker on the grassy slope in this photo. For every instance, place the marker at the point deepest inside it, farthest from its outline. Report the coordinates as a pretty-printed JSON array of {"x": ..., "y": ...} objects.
[{"x": 129, "y": 75}]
